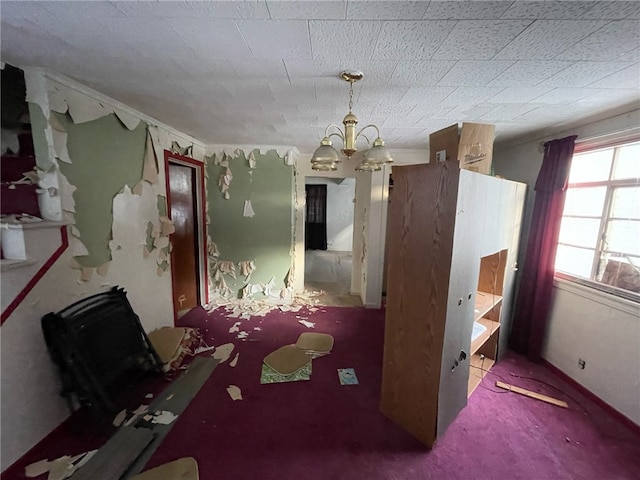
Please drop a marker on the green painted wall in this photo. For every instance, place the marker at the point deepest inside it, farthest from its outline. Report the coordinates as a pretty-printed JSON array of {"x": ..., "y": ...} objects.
[
  {"x": 267, "y": 237},
  {"x": 106, "y": 156},
  {"x": 38, "y": 125}
]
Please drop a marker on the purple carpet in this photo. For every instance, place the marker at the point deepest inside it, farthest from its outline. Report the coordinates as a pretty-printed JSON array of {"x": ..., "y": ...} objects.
[{"x": 319, "y": 429}]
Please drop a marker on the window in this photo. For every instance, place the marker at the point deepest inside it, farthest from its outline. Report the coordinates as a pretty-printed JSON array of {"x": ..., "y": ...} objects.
[{"x": 599, "y": 239}]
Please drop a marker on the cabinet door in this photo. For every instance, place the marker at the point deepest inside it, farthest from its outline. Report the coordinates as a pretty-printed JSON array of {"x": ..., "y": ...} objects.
[{"x": 463, "y": 281}]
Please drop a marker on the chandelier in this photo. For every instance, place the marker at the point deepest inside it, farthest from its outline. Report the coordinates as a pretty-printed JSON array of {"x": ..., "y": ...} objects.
[{"x": 326, "y": 157}]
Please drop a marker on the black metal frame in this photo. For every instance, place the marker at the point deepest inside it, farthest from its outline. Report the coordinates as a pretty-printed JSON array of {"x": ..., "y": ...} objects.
[{"x": 95, "y": 342}]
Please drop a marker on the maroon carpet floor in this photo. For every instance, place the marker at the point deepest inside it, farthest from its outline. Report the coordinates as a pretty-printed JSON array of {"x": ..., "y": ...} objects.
[{"x": 319, "y": 429}]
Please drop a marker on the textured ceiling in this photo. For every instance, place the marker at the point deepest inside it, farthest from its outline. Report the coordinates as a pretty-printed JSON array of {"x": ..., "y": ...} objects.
[{"x": 267, "y": 72}]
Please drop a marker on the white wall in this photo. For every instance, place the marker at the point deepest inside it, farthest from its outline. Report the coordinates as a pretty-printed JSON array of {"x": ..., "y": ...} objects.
[
  {"x": 594, "y": 326},
  {"x": 341, "y": 194},
  {"x": 31, "y": 405}
]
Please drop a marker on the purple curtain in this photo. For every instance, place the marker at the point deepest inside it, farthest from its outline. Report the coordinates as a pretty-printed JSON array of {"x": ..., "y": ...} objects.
[{"x": 534, "y": 296}]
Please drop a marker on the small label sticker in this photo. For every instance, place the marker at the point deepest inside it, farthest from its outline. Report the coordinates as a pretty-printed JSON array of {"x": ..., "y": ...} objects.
[{"x": 441, "y": 156}]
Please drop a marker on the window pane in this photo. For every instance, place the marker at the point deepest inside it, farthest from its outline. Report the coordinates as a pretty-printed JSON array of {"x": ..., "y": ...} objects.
[
  {"x": 579, "y": 231},
  {"x": 628, "y": 162},
  {"x": 626, "y": 203},
  {"x": 623, "y": 236},
  {"x": 591, "y": 167},
  {"x": 586, "y": 202},
  {"x": 575, "y": 261},
  {"x": 621, "y": 272}
]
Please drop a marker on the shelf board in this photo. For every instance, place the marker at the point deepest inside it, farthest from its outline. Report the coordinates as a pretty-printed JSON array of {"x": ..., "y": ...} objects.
[
  {"x": 484, "y": 303},
  {"x": 491, "y": 328},
  {"x": 477, "y": 371}
]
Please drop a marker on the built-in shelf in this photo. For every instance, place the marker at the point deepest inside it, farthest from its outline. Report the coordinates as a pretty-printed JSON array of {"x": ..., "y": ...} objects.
[
  {"x": 478, "y": 368},
  {"x": 491, "y": 328},
  {"x": 485, "y": 302}
]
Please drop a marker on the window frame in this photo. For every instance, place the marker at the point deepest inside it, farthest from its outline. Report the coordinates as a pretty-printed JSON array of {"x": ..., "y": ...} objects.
[{"x": 604, "y": 219}]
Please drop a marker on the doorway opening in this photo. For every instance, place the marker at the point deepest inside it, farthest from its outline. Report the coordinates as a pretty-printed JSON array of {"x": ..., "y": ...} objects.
[
  {"x": 329, "y": 220},
  {"x": 185, "y": 204}
]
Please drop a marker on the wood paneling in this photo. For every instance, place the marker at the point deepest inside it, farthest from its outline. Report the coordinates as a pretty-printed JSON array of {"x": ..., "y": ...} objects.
[{"x": 421, "y": 217}]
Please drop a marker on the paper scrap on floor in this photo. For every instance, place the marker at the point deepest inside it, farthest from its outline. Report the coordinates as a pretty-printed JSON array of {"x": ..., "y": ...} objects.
[
  {"x": 234, "y": 392},
  {"x": 307, "y": 324},
  {"x": 347, "y": 376}
]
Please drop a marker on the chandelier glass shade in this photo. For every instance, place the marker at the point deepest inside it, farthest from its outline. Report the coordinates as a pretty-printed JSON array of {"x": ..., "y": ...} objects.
[{"x": 326, "y": 157}]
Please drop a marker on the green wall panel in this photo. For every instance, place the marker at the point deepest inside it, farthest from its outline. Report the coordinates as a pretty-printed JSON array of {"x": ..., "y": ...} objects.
[
  {"x": 106, "y": 156},
  {"x": 267, "y": 237}
]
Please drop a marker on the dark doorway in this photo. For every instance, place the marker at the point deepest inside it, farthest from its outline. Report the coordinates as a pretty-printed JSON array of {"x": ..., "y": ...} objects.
[{"x": 316, "y": 219}]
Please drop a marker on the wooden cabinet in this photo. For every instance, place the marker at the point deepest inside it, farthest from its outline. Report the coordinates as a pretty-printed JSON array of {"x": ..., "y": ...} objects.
[{"x": 452, "y": 249}]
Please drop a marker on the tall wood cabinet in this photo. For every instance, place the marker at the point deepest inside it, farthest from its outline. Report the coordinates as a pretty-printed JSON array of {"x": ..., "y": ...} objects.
[{"x": 452, "y": 249}]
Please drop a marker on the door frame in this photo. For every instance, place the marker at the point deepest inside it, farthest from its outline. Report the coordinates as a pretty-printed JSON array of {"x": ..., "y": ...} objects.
[{"x": 200, "y": 222}]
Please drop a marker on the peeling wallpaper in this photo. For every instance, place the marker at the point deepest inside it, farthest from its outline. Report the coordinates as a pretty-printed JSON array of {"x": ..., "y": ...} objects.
[
  {"x": 268, "y": 184},
  {"x": 105, "y": 156}
]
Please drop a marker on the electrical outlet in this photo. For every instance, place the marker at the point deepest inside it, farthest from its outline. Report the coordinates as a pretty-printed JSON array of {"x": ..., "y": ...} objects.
[{"x": 581, "y": 364}]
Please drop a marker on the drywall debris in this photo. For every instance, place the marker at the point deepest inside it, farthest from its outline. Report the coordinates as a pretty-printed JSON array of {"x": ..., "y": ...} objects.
[
  {"x": 119, "y": 418},
  {"x": 234, "y": 392},
  {"x": 81, "y": 107},
  {"x": 163, "y": 417},
  {"x": 247, "y": 267},
  {"x": 149, "y": 395},
  {"x": 55, "y": 124},
  {"x": 234, "y": 362},
  {"x": 137, "y": 190},
  {"x": 203, "y": 349},
  {"x": 60, "y": 144},
  {"x": 166, "y": 226},
  {"x": 251, "y": 159},
  {"x": 248, "y": 209},
  {"x": 150, "y": 165},
  {"x": 103, "y": 269},
  {"x": 307, "y": 324},
  {"x": 128, "y": 120},
  {"x": 242, "y": 335},
  {"x": 223, "y": 352},
  {"x": 85, "y": 274},
  {"x": 60, "y": 468},
  {"x": 36, "y": 469},
  {"x": 235, "y": 328},
  {"x": 176, "y": 148},
  {"x": 141, "y": 409}
]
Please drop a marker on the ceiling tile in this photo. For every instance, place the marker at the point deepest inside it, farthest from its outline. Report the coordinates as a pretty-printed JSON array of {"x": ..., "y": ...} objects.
[
  {"x": 426, "y": 96},
  {"x": 479, "y": 39},
  {"x": 470, "y": 95},
  {"x": 581, "y": 74},
  {"x": 308, "y": 10},
  {"x": 556, "y": 10},
  {"x": 626, "y": 78},
  {"x": 377, "y": 93},
  {"x": 545, "y": 39},
  {"x": 614, "y": 39},
  {"x": 378, "y": 10},
  {"x": 505, "y": 113},
  {"x": 519, "y": 94},
  {"x": 611, "y": 97},
  {"x": 231, "y": 9},
  {"x": 292, "y": 94},
  {"x": 411, "y": 40},
  {"x": 297, "y": 68},
  {"x": 466, "y": 10},
  {"x": 197, "y": 67},
  {"x": 155, "y": 9},
  {"x": 563, "y": 96},
  {"x": 522, "y": 73},
  {"x": 263, "y": 69},
  {"x": 471, "y": 74},
  {"x": 615, "y": 10},
  {"x": 420, "y": 72},
  {"x": 343, "y": 41},
  {"x": 277, "y": 38},
  {"x": 631, "y": 56},
  {"x": 80, "y": 9},
  {"x": 469, "y": 113},
  {"x": 215, "y": 38}
]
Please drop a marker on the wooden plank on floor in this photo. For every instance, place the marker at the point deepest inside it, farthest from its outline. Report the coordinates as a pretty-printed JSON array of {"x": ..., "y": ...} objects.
[
  {"x": 115, "y": 456},
  {"x": 529, "y": 393}
]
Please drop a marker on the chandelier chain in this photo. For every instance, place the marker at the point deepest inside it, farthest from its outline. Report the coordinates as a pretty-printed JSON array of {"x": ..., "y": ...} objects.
[{"x": 350, "y": 96}]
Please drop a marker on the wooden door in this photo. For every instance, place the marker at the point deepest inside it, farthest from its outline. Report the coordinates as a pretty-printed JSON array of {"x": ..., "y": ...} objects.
[{"x": 184, "y": 257}]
